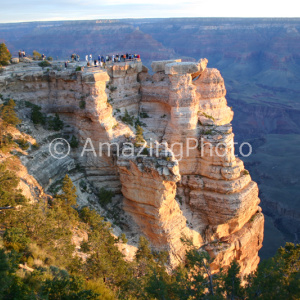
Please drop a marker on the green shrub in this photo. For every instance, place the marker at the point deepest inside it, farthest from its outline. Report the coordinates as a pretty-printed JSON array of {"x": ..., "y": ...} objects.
[
  {"x": 245, "y": 172},
  {"x": 208, "y": 132},
  {"x": 6, "y": 141},
  {"x": 144, "y": 115},
  {"x": 144, "y": 151},
  {"x": 82, "y": 104},
  {"x": 50, "y": 58},
  {"x": 115, "y": 126},
  {"x": 37, "y": 117},
  {"x": 36, "y": 55},
  {"x": 78, "y": 69},
  {"x": 179, "y": 199},
  {"x": 139, "y": 135},
  {"x": 74, "y": 142},
  {"x": 208, "y": 116},
  {"x": 127, "y": 118},
  {"x": 15, "y": 238},
  {"x": 35, "y": 146},
  {"x": 138, "y": 122},
  {"x": 83, "y": 185},
  {"x": 123, "y": 238},
  {"x": 105, "y": 196},
  {"x": 55, "y": 123},
  {"x": 24, "y": 145},
  {"x": 44, "y": 63},
  {"x": 112, "y": 88}
]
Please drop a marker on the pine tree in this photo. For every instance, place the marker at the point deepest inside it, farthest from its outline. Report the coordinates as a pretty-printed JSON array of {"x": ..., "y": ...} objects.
[
  {"x": 144, "y": 251},
  {"x": 5, "y": 55},
  {"x": 8, "y": 114},
  {"x": 8, "y": 117},
  {"x": 69, "y": 192},
  {"x": 67, "y": 200},
  {"x": 232, "y": 282},
  {"x": 277, "y": 277},
  {"x": 9, "y": 194}
]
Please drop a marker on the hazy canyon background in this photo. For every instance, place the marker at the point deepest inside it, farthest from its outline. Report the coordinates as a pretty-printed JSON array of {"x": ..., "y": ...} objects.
[{"x": 260, "y": 62}]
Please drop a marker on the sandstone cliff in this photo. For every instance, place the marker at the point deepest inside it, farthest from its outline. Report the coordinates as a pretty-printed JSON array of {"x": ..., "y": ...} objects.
[{"x": 203, "y": 193}]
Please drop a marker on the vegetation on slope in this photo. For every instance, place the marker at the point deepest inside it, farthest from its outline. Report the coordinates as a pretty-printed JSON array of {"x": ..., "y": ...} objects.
[{"x": 39, "y": 258}]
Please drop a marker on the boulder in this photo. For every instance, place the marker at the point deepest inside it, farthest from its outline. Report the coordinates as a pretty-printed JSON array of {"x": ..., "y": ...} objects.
[
  {"x": 159, "y": 66},
  {"x": 26, "y": 60},
  {"x": 15, "y": 60},
  {"x": 181, "y": 68}
]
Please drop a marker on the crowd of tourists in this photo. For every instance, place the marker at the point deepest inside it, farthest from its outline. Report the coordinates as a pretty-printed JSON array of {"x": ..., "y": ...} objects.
[{"x": 102, "y": 60}]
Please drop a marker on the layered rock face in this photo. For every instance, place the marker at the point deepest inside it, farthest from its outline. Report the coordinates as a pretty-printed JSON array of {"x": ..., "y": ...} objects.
[
  {"x": 219, "y": 199},
  {"x": 82, "y": 100},
  {"x": 187, "y": 182}
]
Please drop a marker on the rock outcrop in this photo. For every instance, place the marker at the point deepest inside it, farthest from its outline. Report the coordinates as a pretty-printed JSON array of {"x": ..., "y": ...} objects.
[{"x": 188, "y": 180}]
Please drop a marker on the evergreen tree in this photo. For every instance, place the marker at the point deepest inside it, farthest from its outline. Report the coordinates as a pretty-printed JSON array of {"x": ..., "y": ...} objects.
[
  {"x": 5, "y": 279},
  {"x": 9, "y": 194},
  {"x": 37, "y": 116},
  {"x": 5, "y": 55},
  {"x": 278, "y": 277},
  {"x": 68, "y": 197},
  {"x": 232, "y": 282},
  {"x": 8, "y": 117},
  {"x": 55, "y": 123},
  {"x": 8, "y": 114},
  {"x": 143, "y": 251}
]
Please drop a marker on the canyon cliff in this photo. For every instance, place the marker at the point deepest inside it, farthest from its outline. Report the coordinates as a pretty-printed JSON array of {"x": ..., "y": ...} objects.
[{"x": 188, "y": 182}]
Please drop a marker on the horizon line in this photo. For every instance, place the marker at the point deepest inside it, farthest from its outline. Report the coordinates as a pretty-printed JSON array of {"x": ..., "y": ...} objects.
[{"x": 149, "y": 18}]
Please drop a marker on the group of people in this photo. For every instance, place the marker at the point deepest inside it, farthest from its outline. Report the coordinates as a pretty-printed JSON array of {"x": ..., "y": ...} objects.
[
  {"x": 22, "y": 54},
  {"x": 75, "y": 57},
  {"x": 102, "y": 60}
]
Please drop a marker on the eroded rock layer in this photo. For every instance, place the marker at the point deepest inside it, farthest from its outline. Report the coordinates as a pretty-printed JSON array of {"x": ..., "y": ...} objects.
[
  {"x": 217, "y": 195},
  {"x": 193, "y": 185}
]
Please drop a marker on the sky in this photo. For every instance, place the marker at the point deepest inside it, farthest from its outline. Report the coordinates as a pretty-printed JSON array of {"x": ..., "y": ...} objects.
[{"x": 54, "y": 10}]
